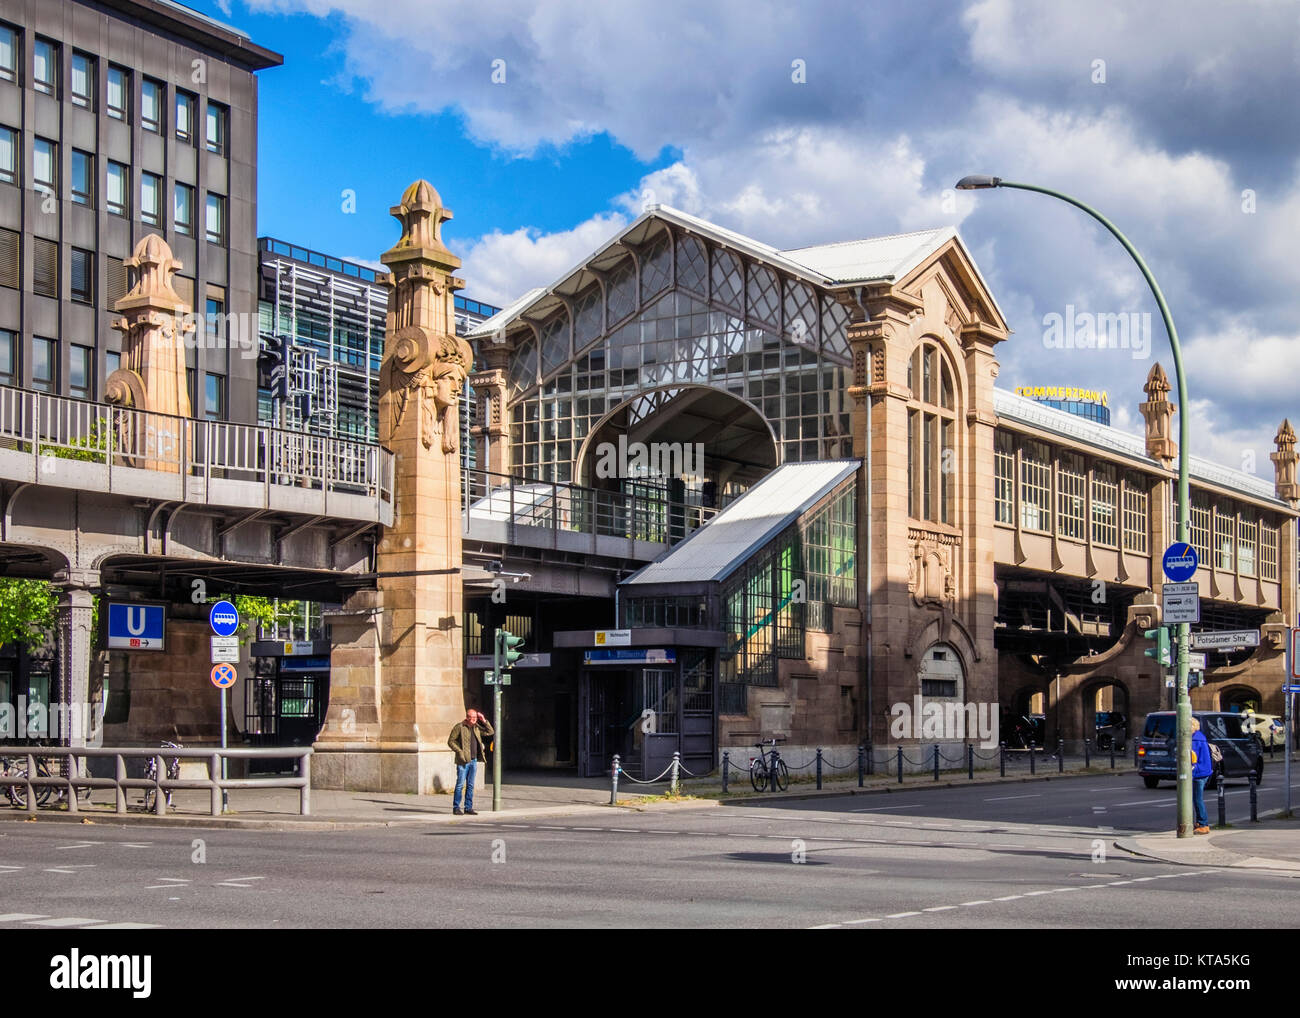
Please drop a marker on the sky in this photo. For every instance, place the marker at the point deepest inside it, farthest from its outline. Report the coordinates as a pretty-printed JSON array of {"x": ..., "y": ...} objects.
[{"x": 546, "y": 126}]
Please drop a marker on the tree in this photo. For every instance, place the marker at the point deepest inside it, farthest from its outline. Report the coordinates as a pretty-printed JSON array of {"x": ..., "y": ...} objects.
[{"x": 27, "y": 611}]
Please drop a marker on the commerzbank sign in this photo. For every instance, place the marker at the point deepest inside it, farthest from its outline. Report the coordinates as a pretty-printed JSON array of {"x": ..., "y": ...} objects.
[{"x": 1063, "y": 392}]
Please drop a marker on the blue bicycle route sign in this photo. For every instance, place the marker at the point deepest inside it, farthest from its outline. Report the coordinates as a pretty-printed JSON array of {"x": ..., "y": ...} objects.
[{"x": 1180, "y": 562}]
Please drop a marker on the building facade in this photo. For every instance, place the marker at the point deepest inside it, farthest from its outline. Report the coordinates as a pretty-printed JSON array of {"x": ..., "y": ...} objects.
[{"x": 118, "y": 120}]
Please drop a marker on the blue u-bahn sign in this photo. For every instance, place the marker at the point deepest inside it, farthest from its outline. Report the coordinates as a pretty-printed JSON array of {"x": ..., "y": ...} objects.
[
  {"x": 1180, "y": 562},
  {"x": 134, "y": 626}
]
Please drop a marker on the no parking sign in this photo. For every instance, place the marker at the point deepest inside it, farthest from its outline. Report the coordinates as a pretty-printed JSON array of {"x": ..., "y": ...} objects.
[{"x": 223, "y": 675}]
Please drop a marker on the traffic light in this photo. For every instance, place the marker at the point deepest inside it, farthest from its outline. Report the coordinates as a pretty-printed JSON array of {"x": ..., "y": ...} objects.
[
  {"x": 1160, "y": 648},
  {"x": 509, "y": 644}
]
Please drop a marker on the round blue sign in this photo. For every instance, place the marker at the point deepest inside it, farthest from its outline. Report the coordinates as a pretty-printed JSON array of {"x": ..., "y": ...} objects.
[
  {"x": 223, "y": 618},
  {"x": 1180, "y": 562}
]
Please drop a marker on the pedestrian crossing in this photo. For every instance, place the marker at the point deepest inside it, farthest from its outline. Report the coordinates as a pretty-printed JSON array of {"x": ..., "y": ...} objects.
[{"x": 69, "y": 922}]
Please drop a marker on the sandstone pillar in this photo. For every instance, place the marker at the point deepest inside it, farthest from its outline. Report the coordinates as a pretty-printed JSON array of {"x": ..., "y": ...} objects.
[{"x": 390, "y": 733}]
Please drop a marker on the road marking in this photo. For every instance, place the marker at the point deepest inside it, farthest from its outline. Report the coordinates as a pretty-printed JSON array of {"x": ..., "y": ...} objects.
[
  {"x": 1004, "y": 798},
  {"x": 172, "y": 884},
  {"x": 859, "y": 922},
  {"x": 18, "y": 917},
  {"x": 939, "y": 908},
  {"x": 70, "y": 870},
  {"x": 901, "y": 915},
  {"x": 10, "y": 869},
  {"x": 1009, "y": 897},
  {"x": 136, "y": 844},
  {"x": 79, "y": 844},
  {"x": 1148, "y": 802},
  {"x": 979, "y": 901},
  {"x": 633, "y": 830},
  {"x": 128, "y": 926},
  {"x": 881, "y": 809},
  {"x": 68, "y": 921}
]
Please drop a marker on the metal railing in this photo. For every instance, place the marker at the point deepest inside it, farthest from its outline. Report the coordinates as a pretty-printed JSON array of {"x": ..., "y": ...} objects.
[
  {"x": 54, "y": 430},
  {"x": 488, "y": 497},
  {"x": 161, "y": 785}
]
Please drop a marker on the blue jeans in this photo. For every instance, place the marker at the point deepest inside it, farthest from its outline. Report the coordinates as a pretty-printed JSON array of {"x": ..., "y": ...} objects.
[
  {"x": 1198, "y": 801},
  {"x": 465, "y": 776}
]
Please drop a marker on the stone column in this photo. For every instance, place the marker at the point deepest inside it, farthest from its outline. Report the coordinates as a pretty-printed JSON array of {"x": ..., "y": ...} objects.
[
  {"x": 73, "y": 635},
  {"x": 490, "y": 434},
  {"x": 398, "y": 736},
  {"x": 153, "y": 323}
]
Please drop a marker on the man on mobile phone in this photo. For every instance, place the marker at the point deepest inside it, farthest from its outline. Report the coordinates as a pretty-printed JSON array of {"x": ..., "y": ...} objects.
[{"x": 467, "y": 741}]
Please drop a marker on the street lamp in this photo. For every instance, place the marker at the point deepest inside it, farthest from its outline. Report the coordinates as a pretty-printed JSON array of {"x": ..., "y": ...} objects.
[{"x": 979, "y": 183}]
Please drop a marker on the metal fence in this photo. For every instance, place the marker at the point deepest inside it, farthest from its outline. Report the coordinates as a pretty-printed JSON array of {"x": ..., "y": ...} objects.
[
  {"x": 54, "y": 429},
  {"x": 71, "y": 777},
  {"x": 488, "y": 497}
]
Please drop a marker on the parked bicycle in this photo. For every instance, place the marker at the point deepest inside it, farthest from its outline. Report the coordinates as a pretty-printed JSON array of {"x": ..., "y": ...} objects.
[
  {"x": 16, "y": 767},
  {"x": 767, "y": 763},
  {"x": 151, "y": 773}
]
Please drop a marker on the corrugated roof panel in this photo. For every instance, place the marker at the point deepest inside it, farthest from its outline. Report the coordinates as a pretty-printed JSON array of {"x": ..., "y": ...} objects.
[
  {"x": 715, "y": 550},
  {"x": 889, "y": 257}
]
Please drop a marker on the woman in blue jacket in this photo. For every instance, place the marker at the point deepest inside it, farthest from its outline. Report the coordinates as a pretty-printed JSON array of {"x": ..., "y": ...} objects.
[{"x": 1202, "y": 768}]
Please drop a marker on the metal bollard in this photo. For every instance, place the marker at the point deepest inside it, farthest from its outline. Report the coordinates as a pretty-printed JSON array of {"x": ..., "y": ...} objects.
[
  {"x": 936, "y": 761},
  {"x": 613, "y": 785},
  {"x": 1002, "y": 758},
  {"x": 1112, "y": 752},
  {"x": 900, "y": 765},
  {"x": 726, "y": 766},
  {"x": 677, "y": 763},
  {"x": 1031, "y": 757},
  {"x": 819, "y": 768},
  {"x": 1254, "y": 798},
  {"x": 970, "y": 762},
  {"x": 861, "y": 754},
  {"x": 119, "y": 793},
  {"x": 1087, "y": 753},
  {"x": 1223, "y": 804},
  {"x": 1060, "y": 754},
  {"x": 772, "y": 773}
]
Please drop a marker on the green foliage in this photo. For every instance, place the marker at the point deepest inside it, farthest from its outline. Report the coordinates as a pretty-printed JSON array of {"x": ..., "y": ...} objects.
[
  {"x": 26, "y": 611},
  {"x": 92, "y": 449},
  {"x": 260, "y": 612}
]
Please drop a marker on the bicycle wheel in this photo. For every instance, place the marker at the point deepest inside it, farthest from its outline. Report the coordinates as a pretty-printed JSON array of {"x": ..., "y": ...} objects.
[
  {"x": 44, "y": 792},
  {"x": 782, "y": 775},
  {"x": 758, "y": 775}
]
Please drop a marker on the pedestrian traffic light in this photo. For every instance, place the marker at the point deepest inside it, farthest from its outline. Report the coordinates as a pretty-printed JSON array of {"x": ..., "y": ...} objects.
[{"x": 1160, "y": 648}]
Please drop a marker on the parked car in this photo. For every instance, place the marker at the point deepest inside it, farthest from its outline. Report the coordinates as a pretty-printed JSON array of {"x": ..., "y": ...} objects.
[
  {"x": 1112, "y": 727},
  {"x": 1156, "y": 749},
  {"x": 1268, "y": 727}
]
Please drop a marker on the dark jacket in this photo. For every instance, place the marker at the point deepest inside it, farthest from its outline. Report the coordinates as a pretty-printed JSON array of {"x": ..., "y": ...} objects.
[
  {"x": 1202, "y": 762},
  {"x": 460, "y": 741}
]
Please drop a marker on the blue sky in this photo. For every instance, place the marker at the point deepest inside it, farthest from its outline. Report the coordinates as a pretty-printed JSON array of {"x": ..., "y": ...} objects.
[{"x": 1176, "y": 117}]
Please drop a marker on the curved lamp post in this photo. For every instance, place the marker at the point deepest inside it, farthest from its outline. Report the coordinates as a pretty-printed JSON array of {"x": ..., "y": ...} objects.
[{"x": 976, "y": 183}]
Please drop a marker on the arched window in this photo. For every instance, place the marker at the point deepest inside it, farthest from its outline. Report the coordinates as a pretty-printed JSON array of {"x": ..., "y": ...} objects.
[
  {"x": 931, "y": 437},
  {"x": 941, "y": 674}
]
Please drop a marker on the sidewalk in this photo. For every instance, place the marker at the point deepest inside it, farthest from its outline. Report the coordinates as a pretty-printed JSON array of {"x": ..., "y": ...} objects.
[
  {"x": 524, "y": 794},
  {"x": 1272, "y": 844}
]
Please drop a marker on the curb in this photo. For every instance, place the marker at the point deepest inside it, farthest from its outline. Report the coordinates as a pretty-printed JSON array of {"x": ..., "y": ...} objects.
[{"x": 1214, "y": 856}]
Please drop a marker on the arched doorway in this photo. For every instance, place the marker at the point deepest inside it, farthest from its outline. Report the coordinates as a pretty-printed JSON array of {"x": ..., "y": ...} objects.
[
  {"x": 1107, "y": 718},
  {"x": 694, "y": 445},
  {"x": 1239, "y": 699}
]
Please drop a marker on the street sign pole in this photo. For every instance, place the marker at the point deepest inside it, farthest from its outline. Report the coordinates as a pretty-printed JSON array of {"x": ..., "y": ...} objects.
[
  {"x": 225, "y": 795},
  {"x": 1287, "y": 718},
  {"x": 496, "y": 719}
]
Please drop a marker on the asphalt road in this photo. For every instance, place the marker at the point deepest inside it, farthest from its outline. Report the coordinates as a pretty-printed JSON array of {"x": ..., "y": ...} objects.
[{"x": 1033, "y": 855}]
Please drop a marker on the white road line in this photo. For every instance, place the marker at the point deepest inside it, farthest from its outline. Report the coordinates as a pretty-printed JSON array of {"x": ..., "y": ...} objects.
[
  {"x": 79, "y": 844},
  {"x": 19, "y": 917},
  {"x": 1004, "y": 798},
  {"x": 70, "y": 870},
  {"x": 979, "y": 901},
  {"x": 136, "y": 844},
  {"x": 939, "y": 908},
  {"x": 67, "y": 921},
  {"x": 10, "y": 869},
  {"x": 1147, "y": 802},
  {"x": 1009, "y": 897},
  {"x": 633, "y": 830},
  {"x": 859, "y": 922},
  {"x": 901, "y": 915},
  {"x": 128, "y": 926},
  {"x": 881, "y": 809}
]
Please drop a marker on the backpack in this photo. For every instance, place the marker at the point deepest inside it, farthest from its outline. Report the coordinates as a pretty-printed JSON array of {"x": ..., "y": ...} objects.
[{"x": 1216, "y": 754}]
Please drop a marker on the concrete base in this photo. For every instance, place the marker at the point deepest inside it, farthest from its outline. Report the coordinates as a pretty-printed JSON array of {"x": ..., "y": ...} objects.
[{"x": 416, "y": 771}]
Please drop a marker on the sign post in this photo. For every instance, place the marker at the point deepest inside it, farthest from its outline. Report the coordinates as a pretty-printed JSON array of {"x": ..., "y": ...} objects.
[
  {"x": 1288, "y": 698},
  {"x": 224, "y": 620},
  {"x": 1180, "y": 565}
]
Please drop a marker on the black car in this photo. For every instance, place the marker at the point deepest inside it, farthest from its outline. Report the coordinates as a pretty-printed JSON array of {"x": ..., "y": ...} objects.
[
  {"x": 1241, "y": 751},
  {"x": 1111, "y": 727}
]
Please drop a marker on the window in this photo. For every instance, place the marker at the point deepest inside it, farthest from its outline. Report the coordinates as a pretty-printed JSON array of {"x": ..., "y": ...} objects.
[
  {"x": 10, "y": 258},
  {"x": 184, "y": 116},
  {"x": 216, "y": 128},
  {"x": 8, "y": 53},
  {"x": 115, "y": 282},
  {"x": 45, "y": 267},
  {"x": 932, "y": 457},
  {"x": 8, "y": 155},
  {"x": 1004, "y": 478},
  {"x": 112, "y": 361},
  {"x": 83, "y": 81},
  {"x": 1135, "y": 512},
  {"x": 1071, "y": 483},
  {"x": 8, "y": 357},
  {"x": 151, "y": 100},
  {"x": 151, "y": 199},
  {"x": 83, "y": 178},
  {"x": 940, "y": 672},
  {"x": 1225, "y": 526},
  {"x": 45, "y": 364},
  {"x": 118, "y": 96},
  {"x": 1247, "y": 543},
  {"x": 83, "y": 276},
  {"x": 1035, "y": 486},
  {"x": 44, "y": 165},
  {"x": 214, "y": 311},
  {"x": 1200, "y": 525},
  {"x": 45, "y": 67},
  {"x": 214, "y": 221},
  {"x": 1105, "y": 496},
  {"x": 117, "y": 196},
  {"x": 81, "y": 372},
  {"x": 1267, "y": 551},
  {"x": 183, "y": 209},
  {"x": 214, "y": 397}
]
